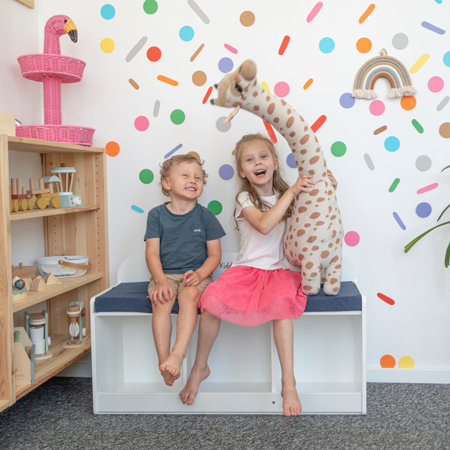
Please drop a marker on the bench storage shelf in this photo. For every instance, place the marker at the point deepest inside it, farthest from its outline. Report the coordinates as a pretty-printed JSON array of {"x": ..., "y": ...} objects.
[{"x": 245, "y": 374}]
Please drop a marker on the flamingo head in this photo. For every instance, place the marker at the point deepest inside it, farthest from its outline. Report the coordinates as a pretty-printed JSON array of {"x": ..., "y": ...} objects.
[
  {"x": 61, "y": 24},
  {"x": 70, "y": 29}
]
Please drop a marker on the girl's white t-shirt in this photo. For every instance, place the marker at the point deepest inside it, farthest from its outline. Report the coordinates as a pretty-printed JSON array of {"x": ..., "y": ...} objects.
[{"x": 263, "y": 251}]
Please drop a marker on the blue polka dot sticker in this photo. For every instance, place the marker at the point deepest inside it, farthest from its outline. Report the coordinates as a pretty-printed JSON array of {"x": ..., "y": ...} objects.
[
  {"x": 346, "y": 100},
  {"x": 326, "y": 45},
  {"x": 226, "y": 65},
  {"x": 108, "y": 11},
  {"x": 226, "y": 172},
  {"x": 391, "y": 144},
  {"x": 447, "y": 59},
  {"x": 423, "y": 209},
  {"x": 186, "y": 33},
  {"x": 290, "y": 161}
]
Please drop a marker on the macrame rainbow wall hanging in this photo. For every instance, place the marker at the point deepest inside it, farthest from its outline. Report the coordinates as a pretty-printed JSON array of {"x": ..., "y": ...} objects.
[{"x": 382, "y": 66}]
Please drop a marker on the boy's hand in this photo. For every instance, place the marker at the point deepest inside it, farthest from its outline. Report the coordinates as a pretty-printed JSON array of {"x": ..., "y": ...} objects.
[
  {"x": 191, "y": 278},
  {"x": 303, "y": 184},
  {"x": 162, "y": 293},
  {"x": 332, "y": 179}
]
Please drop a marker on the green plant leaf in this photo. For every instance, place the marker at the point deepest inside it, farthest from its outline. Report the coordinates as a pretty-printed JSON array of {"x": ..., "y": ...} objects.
[
  {"x": 447, "y": 256},
  {"x": 418, "y": 238},
  {"x": 442, "y": 213}
]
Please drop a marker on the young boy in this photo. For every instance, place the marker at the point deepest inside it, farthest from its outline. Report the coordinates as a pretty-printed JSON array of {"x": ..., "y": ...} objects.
[{"x": 182, "y": 251}]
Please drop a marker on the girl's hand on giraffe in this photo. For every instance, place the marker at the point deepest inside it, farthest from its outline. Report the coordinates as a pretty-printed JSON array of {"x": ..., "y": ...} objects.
[
  {"x": 332, "y": 179},
  {"x": 303, "y": 184}
]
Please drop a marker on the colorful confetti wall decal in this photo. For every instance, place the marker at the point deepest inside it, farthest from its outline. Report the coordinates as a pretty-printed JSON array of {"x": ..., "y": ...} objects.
[
  {"x": 200, "y": 13},
  {"x": 387, "y": 362},
  {"x": 367, "y": 13},
  {"x": 386, "y": 299},
  {"x": 314, "y": 12}
]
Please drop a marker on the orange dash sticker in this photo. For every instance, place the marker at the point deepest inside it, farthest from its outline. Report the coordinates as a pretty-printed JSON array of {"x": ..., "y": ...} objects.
[
  {"x": 269, "y": 129},
  {"x": 167, "y": 80},
  {"x": 208, "y": 93},
  {"x": 318, "y": 123}
]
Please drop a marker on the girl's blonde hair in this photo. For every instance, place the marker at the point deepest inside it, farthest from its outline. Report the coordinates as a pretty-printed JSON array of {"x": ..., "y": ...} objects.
[
  {"x": 167, "y": 165},
  {"x": 279, "y": 185}
]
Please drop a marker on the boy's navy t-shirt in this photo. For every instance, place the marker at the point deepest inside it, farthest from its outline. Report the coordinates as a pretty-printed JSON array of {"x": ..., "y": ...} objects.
[{"x": 182, "y": 237}]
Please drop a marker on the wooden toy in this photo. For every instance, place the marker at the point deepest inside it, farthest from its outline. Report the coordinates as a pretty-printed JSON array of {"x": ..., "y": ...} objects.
[
  {"x": 20, "y": 198},
  {"x": 45, "y": 196},
  {"x": 68, "y": 198},
  {"x": 36, "y": 326},
  {"x": 38, "y": 284},
  {"x": 23, "y": 364},
  {"x": 51, "y": 280},
  {"x": 19, "y": 289},
  {"x": 22, "y": 271},
  {"x": 75, "y": 313}
]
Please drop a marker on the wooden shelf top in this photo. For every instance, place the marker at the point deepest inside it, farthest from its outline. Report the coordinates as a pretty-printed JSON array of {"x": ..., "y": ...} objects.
[
  {"x": 35, "y": 297},
  {"x": 35, "y": 213},
  {"x": 20, "y": 144},
  {"x": 61, "y": 358}
]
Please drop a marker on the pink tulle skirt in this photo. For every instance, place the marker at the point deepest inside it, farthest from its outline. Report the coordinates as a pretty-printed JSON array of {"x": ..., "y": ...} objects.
[{"x": 248, "y": 296}]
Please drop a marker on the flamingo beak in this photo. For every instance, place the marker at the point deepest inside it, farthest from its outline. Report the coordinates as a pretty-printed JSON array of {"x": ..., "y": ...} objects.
[{"x": 71, "y": 30}]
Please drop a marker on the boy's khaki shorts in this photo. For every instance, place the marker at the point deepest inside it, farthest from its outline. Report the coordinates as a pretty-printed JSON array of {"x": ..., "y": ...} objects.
[{"x": 176, "y": 283}]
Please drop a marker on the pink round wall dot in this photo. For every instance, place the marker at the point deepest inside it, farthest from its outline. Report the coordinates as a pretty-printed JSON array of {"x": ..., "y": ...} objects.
[
  {"x": 351, "y": 238},
  {"x": 377, "y": 107},
  {"x": 435, "y": 84},
  {"x": 141, "y": 123},
  {"x": 281, "y": 89}
]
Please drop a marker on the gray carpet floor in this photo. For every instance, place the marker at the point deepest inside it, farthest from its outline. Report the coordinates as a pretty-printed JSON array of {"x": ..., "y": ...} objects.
[{"x": 58, "y": 415}]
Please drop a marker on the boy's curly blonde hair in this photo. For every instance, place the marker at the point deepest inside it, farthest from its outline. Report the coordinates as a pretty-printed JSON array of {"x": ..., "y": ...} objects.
[{"x": 167, "y": 165}]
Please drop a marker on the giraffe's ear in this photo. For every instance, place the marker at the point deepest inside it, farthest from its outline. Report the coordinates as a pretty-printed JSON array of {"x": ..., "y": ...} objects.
[{"x": 248, "y": 69}]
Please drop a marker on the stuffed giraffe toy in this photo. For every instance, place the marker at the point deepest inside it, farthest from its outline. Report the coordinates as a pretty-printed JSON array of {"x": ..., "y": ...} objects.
[{"x": 313, "y": 238}]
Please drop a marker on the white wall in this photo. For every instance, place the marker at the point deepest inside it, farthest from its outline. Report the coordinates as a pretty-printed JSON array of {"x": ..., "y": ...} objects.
[{"x": 417, "y": 324}]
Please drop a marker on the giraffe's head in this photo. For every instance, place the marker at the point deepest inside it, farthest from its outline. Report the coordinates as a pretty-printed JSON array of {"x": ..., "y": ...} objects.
[{"x": 232, "y": 85}]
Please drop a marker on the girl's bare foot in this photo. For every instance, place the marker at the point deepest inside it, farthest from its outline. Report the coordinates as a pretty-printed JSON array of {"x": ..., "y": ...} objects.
[
  {"x": 189, "y": 392},
  {"x": 170, "y": 368},
  {"x": 291, "y": 402}
]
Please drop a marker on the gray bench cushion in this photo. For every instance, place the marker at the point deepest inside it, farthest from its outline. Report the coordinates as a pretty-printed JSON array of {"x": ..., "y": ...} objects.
[{"x": 131, "y": 297}]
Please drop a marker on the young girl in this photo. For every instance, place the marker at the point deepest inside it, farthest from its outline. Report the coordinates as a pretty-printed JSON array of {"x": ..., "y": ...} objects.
[{"x": 260, "y": 286}]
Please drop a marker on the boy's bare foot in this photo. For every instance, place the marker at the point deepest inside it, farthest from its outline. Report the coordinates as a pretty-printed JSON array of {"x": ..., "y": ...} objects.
[
  {"x": 168, "y": 379},
  {"x": 170, "y": 368},
  {"x": 291, "y": 402},
  {"x": 189, "y": 392}
]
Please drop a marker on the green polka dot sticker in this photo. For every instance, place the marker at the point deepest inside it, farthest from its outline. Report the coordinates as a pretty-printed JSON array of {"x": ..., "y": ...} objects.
[
  {"x": 146, "y": 176},
  {"x": 177, "y": 116},
  {"x": 215, "y": 207},
  {"x": 338, "y": 148},
  {"x": 150, "y": 6}
]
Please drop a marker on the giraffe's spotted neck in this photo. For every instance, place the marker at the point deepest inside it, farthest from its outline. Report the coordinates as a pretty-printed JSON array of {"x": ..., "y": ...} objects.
[{"x": 289, "y": 123}]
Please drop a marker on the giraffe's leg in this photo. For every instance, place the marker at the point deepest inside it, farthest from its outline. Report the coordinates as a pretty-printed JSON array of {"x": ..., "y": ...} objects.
[
  {"x": 333, "y": 276},
  {"x": 311, "y": 277}
]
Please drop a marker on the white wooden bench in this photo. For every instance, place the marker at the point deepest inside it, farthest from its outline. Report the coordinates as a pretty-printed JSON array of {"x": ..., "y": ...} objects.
[{"x": 245, "y": 374}]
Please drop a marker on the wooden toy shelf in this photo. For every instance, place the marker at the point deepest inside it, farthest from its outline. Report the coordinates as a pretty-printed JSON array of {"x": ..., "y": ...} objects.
[{"x": 79, "y": 230}]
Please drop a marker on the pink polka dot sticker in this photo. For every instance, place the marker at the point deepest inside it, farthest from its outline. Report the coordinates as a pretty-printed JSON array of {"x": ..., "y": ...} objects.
[
  {"x": 281, "y": 89},
  {"x": 377, "y": 107},
  {"x": 435, "y": 84},
  {"x": 351, "y": 238},
  {"x": 141, "y": 123}
]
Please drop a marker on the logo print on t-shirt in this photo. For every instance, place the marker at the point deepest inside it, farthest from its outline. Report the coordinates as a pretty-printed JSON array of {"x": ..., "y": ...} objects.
[{"x": 197, "y": 230}]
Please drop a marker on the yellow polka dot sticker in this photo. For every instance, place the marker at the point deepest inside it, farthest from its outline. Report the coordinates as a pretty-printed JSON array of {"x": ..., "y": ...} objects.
[
  {"x": 107, "y": 45},
  {"x": 406, "y": 362}
]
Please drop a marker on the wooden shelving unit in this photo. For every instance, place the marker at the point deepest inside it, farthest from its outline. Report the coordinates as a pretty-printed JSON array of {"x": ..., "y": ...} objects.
[{"x": 67, "y": 231}]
